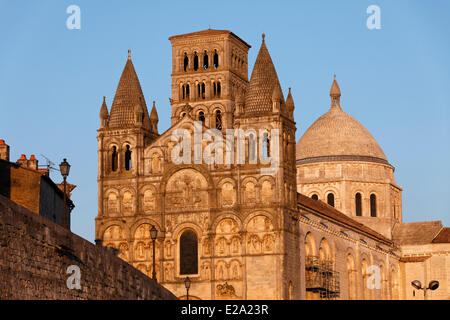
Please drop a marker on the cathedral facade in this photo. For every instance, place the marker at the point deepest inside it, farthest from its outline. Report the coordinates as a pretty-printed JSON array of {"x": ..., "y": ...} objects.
[{"x": 319, "y": 223}]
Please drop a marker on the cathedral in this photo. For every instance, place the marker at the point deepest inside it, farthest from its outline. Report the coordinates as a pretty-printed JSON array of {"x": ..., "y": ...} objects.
[{"x": 317, "y": 219}]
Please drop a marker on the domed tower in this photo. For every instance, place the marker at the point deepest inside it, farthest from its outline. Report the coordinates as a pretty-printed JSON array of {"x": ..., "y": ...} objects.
[{"x": 340, "y": 163}]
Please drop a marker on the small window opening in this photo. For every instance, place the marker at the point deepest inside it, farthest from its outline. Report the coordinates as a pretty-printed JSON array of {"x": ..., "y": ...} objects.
[
  {"x": 216, "y": 59},
  {"x": 315, "y": 197},
  {"x": 196, "y": 62},
  {"x": 205, "y": 61},
  {"x": 114, "y": 159},
  {"x": 330, "y": 199},
  {"x": 201, "y": 117},
  {"x": 358, "y": 205},
  {"x": 186, "y": 62},
  {"x": 373, "y": 205},
  {"x": 128, "y": 158},
  {"x": 218, "y": 120}
]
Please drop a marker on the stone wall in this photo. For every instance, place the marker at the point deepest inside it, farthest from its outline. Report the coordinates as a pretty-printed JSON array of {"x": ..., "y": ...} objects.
[{"x": 35, "y": 254}]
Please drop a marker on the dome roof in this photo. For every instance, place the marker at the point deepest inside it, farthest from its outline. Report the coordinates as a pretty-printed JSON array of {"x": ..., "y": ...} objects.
[{"x": 336, "y": 135}]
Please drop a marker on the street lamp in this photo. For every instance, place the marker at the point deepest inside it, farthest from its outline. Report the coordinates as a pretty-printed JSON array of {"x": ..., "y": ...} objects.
[
  {"x": 64, "y": 168},
  {"x": 187, "y": 284},
  {"x": 433, "y": 285},
  {"x": 153, "y": 235}
]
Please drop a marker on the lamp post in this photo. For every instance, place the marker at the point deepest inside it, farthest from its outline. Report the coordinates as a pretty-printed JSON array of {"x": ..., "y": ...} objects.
[
  {"x": 433, "y": 285},
  {"x": 187, "y": 284},
  {"x": 64, "y": 168},
  {"x": 153, "y": 235}
]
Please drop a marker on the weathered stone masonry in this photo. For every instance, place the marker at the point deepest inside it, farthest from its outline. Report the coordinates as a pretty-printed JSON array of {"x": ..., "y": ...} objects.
[{"x": 35, "y": 254}]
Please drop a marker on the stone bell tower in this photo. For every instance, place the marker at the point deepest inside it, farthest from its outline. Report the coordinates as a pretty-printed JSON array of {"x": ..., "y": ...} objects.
[
  {"x": 209, "y": 68},
  {"x": 124, "y": 132}
]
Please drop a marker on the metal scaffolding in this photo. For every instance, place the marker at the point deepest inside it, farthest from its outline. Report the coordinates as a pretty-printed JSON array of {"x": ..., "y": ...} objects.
[{"x": 321, "y": 277}]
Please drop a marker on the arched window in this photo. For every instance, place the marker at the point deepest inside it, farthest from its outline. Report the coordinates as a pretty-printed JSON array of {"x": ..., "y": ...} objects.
[
  {"x": 218, "y": 89},
  {"x": 201, "y": 117},
  {"x": 203, "y": 90},
  {"x": 128, "y": 158},
  {"x": 373, "y": 205},
  {"x": 251, "y": 148},
  {"x": 218, "y": 120},
  {"x": 205, "y": 61},
  {"x": 188, "y": 253},
  {"x": 114, "y": 159},
  {"x": 358, "y": 205},
  {"x": 266, "y": 144},
  {"x": 216, "y": 59},
  {"x": 186, "y": 62},
  {"x": 195, "y": 61},
  {"x": 330, "y": 199},
  {"x": 187, "y": 91},
  {"x": 315, "y": 197}
]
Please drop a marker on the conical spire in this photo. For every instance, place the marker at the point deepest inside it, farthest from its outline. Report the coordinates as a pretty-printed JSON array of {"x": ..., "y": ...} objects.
[
  {"x": 290, "y": 102},
  {"x": 128, "y": 95},
  {"x": 277, "y": 95},
  {"x": 263, "y": 81},
  {"x": 154, "y": 114},
  {"x": 335, "y": 93},
  {"x": 104, "y": 110}
]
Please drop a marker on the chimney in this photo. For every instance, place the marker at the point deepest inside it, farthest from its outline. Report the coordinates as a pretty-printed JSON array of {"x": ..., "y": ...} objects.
[
  {"x": 33, "y": 162},
  {"x": 22, "y": 160},
  {"x": 4, "y": 150}
]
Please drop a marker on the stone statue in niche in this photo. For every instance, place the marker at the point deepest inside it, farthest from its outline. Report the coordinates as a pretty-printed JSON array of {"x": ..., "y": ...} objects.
[
  {"x": 220, "y": 272},
  {"x": 168, "y": 249},
  {"x": 149, "y": 200},
  {"x": 221, "y": 246},
  {"x": 205, "y": 271},
  {"x": 156, "y": 163},
  {"x": 140, "y": 253},
  {"x": 168, "y": 272},
  {"x": 127, "y": 202},
  {"x": 113, "y": 203},
  {"x": 235, "y": 272},
  {"x": 266, "y": 192},
  {"x": 206, "y": 247},
  {"x": 123, "y": 248},
  {"x": 254, "y": 244},
  {"x": 268, "y": 242},
  {"x": 250, "y": 193},
  {"x": 228, "y": 195},
  {"x": 235, "y": 245}
]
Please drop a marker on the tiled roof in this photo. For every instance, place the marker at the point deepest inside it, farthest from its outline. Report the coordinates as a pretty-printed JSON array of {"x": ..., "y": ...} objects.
[
  {"x": 335, "y": 134},
  {"x": 263, "y": 82},
  {"x": 334, "y": 214},
  {"x": 443, "y": 236},
  {"x": 128, "y": 95},
  {"x": 416, "y": 232},
  {"x": 207, "y": 32}
]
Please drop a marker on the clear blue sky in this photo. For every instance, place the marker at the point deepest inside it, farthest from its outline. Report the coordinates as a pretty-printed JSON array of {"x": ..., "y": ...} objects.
[{"x": 395, "y": 81}]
